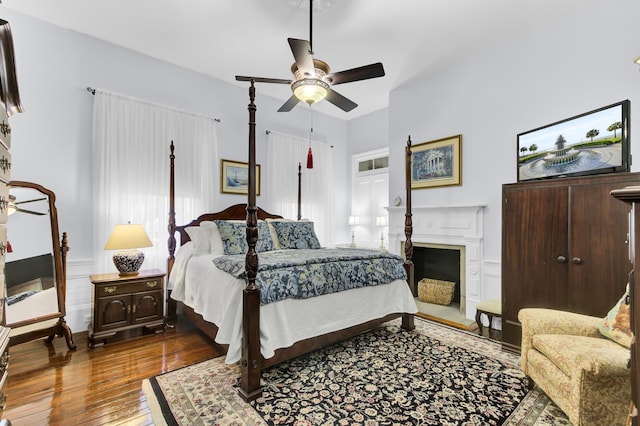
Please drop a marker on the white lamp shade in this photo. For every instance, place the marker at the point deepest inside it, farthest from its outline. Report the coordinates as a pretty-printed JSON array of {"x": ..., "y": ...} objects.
[
  {"x": 353, "y": 220},
  {"x": 129, "y": 236},
  {"x": 381, "y": 221}
]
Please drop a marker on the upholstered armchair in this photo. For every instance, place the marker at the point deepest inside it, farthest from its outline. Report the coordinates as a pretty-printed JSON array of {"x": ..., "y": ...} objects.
[{"x": 586, "y": 374}]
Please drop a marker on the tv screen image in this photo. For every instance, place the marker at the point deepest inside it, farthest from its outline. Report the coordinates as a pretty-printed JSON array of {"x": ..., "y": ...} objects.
[{"x": 591, "y": 143}]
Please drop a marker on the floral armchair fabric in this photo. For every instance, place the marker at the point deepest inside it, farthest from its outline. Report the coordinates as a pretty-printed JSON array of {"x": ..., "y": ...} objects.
[{"x": 584, "y": 373}]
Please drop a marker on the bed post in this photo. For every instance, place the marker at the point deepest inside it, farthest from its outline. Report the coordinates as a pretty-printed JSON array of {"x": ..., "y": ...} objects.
[
  {"x": 407, "y": 319},
  {"x": 408, "y": 224},
  {"x": 299, "y": 191},
  {"x": 251, "y": 364},
  {"x": 171, "y": 318}
]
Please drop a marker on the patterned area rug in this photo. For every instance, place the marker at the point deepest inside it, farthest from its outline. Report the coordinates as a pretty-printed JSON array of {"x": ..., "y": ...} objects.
[{"x": 435, "y": 375}]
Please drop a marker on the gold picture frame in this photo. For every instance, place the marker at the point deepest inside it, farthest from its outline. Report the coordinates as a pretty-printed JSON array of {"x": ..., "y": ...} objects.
[
  {"x": 437, "y": 163},
  {"x": 234, "y": 177}
]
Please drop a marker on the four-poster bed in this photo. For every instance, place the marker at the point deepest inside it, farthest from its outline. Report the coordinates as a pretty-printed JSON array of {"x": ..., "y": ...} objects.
[{"x": 263, "y": 334}]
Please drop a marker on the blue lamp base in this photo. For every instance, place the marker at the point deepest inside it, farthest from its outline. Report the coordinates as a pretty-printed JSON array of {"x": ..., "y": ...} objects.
[{"x": 128, "y": 262}]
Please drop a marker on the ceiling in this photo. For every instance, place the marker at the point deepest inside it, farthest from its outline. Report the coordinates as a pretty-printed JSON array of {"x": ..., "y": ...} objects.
[{"x": 224, "y": 38}]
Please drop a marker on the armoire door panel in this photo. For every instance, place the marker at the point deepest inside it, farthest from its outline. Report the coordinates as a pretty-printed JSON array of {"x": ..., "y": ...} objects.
[
  {"x": 534, "y": 244},
  {"x": 598, "y": 246}
]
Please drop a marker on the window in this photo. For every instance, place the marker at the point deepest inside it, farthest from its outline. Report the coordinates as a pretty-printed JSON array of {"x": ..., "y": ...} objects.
[{"x": 373, "y": 164}]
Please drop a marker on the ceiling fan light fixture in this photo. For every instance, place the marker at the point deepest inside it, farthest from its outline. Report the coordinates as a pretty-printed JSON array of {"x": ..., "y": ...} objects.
[{"x": 310, "y": 90}]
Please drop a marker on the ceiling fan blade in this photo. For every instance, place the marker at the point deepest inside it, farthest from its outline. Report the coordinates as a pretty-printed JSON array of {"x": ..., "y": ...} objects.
[
  {"x": 30, "y": 201},
  {"x": 340, "y": 101},
  {"x": 30, "y": 212},
  {"x": 288, "y": 106},
  {"x": 356, "y": 74},
  {"x": 301, "y": 50},
  {"x": 263, "y": 79}
]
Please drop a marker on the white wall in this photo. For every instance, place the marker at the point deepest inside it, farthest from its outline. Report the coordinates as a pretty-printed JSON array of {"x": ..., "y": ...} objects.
[
  {"x": 578, "y": 64},
  {"x": 52, "y": 138}
]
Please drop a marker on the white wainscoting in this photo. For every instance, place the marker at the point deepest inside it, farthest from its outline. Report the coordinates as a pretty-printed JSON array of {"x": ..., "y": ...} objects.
[
  {"x": 492, "y": 274},
  {"x": 79, "y": 294},
  {"x": 486, "y": 277}
]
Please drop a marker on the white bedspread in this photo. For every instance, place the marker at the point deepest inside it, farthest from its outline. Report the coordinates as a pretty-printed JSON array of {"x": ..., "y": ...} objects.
[
  {"x": 217, "y": 296},
  {"x": 39, "y": 304}
]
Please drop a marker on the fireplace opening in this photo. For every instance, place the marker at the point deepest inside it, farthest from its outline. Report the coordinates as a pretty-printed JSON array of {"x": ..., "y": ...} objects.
[{"x": 442, "y": 262}]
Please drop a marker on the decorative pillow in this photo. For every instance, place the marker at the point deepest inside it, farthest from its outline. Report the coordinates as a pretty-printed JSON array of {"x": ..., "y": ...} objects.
[
  {"x": 265, "y": 242},
  {"x": 200, "y": 238},
  {"x": 234, "y": 237},
  {"x": 617, "y": 324},
  {"x": 296, "y": 235},
  {"x": 272, "y": 230}
]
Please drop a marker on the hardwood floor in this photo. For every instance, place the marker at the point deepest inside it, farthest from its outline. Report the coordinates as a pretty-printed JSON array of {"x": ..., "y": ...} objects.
[{"x": 52, "y": 385}]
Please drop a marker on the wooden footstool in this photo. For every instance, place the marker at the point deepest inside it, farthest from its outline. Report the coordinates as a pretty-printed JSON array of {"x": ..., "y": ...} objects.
[{"x": 491, "y": 308}]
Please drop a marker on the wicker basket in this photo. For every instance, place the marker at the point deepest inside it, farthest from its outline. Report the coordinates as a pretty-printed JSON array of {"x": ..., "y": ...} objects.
[{"x": 436, "y": 291}]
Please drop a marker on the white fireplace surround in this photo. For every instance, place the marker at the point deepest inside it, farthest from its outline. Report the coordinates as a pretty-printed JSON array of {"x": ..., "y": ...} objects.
[{"x": 446, "y": 225}]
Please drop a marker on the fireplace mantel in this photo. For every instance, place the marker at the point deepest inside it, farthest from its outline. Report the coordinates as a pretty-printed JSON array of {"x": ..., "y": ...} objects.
[{"x": 461, "y": 225}]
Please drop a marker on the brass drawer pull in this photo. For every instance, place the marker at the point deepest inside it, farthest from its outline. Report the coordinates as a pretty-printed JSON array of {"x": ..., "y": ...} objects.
[
  {"x": 111, "y": 289},
  {"x": 152, "y": 284}
]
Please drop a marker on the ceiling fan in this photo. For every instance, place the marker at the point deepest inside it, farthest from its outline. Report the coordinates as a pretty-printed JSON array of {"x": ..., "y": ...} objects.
[
  {"x": 313, "y": 78},
  {"x": 13, "y": 206}
]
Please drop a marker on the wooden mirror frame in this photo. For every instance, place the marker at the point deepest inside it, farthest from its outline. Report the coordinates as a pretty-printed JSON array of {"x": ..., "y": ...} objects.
[{"x": 60, "y": 328}]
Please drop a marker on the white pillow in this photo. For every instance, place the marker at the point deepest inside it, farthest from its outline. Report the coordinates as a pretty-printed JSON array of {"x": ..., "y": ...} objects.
[
  {"x": 179, "y": 270},
  {"x": 215, "y": 239},
  {"x": 200, "y": 237}
]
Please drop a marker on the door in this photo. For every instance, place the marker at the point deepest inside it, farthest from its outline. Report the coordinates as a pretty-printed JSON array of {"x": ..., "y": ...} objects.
[
  {"x": 147, "y": 306},
  {"x": 534, "y": 252},
  {"x": 598, "y": 244},
  {"x": 112, "y": 312},
  {"x": 370, "y": 196}
]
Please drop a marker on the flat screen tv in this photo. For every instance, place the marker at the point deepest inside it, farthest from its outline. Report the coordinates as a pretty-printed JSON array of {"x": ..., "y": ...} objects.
[{"x": 591, "y": 143}]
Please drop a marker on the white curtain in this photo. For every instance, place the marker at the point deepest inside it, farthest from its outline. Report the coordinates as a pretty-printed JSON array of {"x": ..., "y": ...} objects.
[
  {"x": 131, "y": 171},
  {"x": 284, "y": 152}
]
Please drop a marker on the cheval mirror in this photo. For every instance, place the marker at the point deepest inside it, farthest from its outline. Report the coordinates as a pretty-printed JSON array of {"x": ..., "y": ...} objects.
[{"x": 35, "y": 267}]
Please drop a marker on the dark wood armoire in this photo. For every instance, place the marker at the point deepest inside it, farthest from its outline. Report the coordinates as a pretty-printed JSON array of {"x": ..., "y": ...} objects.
[
  {"x": 564, "y": 246},
  {"x": 631, "y": 195}
]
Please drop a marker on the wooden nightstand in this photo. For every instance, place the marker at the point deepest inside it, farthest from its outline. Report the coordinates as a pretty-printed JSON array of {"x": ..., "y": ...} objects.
[{"x": 122, "y": 303}]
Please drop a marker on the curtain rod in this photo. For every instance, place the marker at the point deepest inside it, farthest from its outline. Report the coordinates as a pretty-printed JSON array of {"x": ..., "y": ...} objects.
[
  {"x": 299, "y": 137},
  {"x": 93, "y": 92}
]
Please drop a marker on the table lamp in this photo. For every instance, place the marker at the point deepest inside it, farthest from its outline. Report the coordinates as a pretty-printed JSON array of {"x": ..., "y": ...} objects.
[
  {"x": 353, "y": 221},
  {"x": 381, "y": 222},
  {"x": 127, "y": 239}
]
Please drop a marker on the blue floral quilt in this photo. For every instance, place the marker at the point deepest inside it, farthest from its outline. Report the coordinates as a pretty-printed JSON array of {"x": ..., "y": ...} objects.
[{"x": 304, "y": 273}]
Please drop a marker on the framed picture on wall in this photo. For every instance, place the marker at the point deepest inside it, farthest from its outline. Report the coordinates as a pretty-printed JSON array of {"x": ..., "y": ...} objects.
[
  {"x": 437, "y": 163},
  {"x": 234, "y": 177}
]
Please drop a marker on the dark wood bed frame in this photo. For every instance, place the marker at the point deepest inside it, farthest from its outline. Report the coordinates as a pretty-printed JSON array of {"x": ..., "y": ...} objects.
[{"x": 252, "y": 361}]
